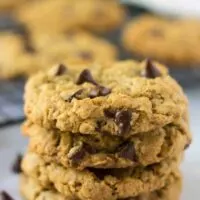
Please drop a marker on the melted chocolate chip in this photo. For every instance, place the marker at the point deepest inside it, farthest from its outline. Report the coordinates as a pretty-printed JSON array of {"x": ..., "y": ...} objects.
[
  {"x": 89, "y": 149},
  {"x": 5, "y": 196},
  {"x": 127, "y": 151},
  {"x": 109, "y": 113},
  {"x": 85, "y": 55},
  {"x": 150, "y": 70},
  {"x": 77, "y": 153},
  {"x": 99, "y": 91},
  {"x": 16, "y": 168},
  {"x": 61, "y": 69},
  {"x": 85, "y": 76},
  {"x": 123, "y": 119},
  {"x": 75, "y": 95}
]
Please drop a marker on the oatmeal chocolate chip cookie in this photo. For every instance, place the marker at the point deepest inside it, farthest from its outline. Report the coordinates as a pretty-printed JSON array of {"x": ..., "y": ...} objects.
[
  {"x": 59, "y": 16},
  {"x": 32, "y": 190},
  {"x": 105, "y": 151},
  {"x": 24, "y": 57},
  {"x": 170, "y": 41},
  {"x": 121, "y": 99},
  {"x": 74, "y": 47},
  {"x": 98, "y": 184}
]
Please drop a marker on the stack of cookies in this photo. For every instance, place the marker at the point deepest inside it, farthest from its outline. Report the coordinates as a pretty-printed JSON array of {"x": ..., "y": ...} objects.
[{"x": 101, "y": 132}]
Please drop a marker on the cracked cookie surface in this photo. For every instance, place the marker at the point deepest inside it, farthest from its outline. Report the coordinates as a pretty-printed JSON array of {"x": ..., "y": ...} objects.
[
  {"x": 106, "y": 151},
  {"x": 32, "y": 190},
  {"x": 99, "y": 184},
  {"x": 172, "y": 41},
  {"x": 124, "y": 98}
]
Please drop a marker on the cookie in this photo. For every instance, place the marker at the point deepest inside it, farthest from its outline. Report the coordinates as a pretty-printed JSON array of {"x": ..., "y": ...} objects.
[
  {"x": 9, "y": 5},
  {"x": 20, "y": 57},
  {"x": 61, "y": 15},
  {"x": 32, "y": 190},
  {"x": 74, "y": 47},
  {"x": 171, "y": 41},
  {"x": 124, "y": 98},
  {"x": 15, "y": 58},
  {"x": 106, "y": 151},
  {"x": 98, "y": 183}
]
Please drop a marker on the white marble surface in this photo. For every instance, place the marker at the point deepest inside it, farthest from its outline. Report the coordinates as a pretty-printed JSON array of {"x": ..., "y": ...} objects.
[{"x": 11, "y": 143}]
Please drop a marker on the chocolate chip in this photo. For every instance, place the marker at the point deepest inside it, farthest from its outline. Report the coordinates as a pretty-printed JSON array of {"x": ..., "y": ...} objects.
[
  {"x": 127, "y": 151},
  {"x": 16, "y": 168},
  {"x": 5, "y": 196},
  {"x": 187, "y": 145},
  {"x": 89, "y": 149},
  {"x": 85, "y": 76},
  {"x": 28, "y": 46},
  {"x": 150, "y": 70},
  {"x": 77, "y": 153},
  {"x": 123, "y": 119},
  {"x": 61, "y": 69},
  {"x": 99, "y": 91},
  {"x": 75, "y": 95},
  {"x": 85, "y": 55},
  {"x": 109, "y": 113},
  {"x": 94, "y": 93},
  {"x": 103, "y": 91}
]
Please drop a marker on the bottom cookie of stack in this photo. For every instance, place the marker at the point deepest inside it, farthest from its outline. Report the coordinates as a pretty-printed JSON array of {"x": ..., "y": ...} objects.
[
  {"x": 32, "y": 190},
  {"x": 99, "y": 184}
]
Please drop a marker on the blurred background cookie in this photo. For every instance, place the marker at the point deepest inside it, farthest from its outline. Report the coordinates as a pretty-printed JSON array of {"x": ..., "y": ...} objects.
[
  {"x": 8, "y": 5},
  {"x": 172, "y": 41},
  {"x": 62, "y": 15},
  {"x": 25, "y": 55}
]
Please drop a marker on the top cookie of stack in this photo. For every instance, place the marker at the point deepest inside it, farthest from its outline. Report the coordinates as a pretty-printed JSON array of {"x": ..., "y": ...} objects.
[{"x": 123, "y": 99}]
